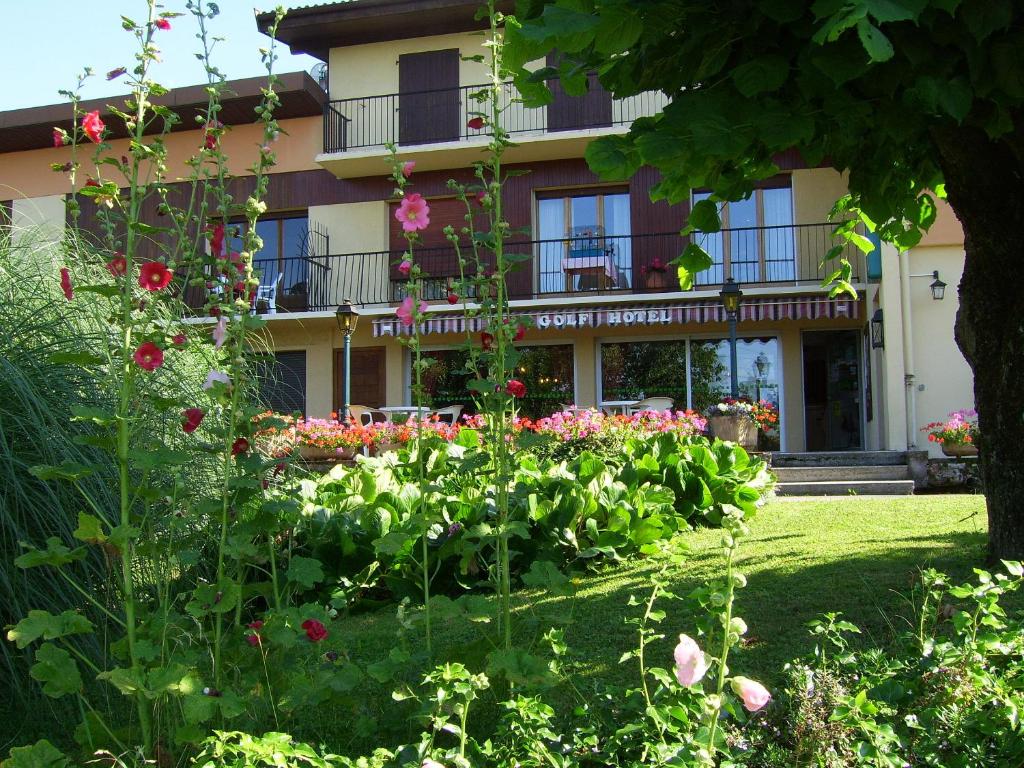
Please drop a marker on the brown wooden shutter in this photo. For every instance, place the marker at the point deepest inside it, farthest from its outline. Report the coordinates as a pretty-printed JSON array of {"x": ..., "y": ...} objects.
[
  {"x": 567, "y": 113},
  {"x": 368, "y": 377},
  {"x": 429, "y": 108}
]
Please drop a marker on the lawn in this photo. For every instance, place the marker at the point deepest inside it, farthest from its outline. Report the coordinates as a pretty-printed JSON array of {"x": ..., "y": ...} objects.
[{"x": 858, "y": 556}]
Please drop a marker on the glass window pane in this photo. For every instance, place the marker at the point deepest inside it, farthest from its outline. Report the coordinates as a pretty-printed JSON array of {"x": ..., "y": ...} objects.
[
  {"x": 584, "y": 213},
  {"x": 743, "y": 234},
  {"x": 757, "y": 368},
  {"x": 709, "y": 372},
  {"x": 778, "y": 236},
  {"x": 617, "y": 226},
  {"x": 445, "y": 379},
  {"x": 295, "y": 253},
  {"x": 547, "y": 371},
  {"x": 713, "y": 244},
  {"x": 265, "y": 261},
  {"x": 635, "y": 370},
  {"x": 551, "y": 229}
]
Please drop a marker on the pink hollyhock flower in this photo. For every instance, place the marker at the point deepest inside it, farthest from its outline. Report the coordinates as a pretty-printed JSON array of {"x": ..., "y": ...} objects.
[
  {"x": 241, "y": 445},
  {"x": 315, "y": 631},
  {"x": 93, "y": 126},
  {"x": 220, "y": 332},
  {"x": 475, "y": 123},
  {"x": 691, "y": 665},
  {"x": 58, "y": 137},
  {"x": 405, "y": 267},
  {"x": 481, "y": 197},
  {"x": 65, "y": 284},
  {"x": 516, "y": 388},
  {"x": 428, "y": 763},
  {"x": 453, "y": 298},
  {"x": 118, "y": 265},
  {"x": 754, "y": 695},
  {"x": 148, "y": 356},
  {"x": 178, "y": 339},
  {"x": 407, "y": 168},
  {"x": 413, "y": 212},
  {"x": 214, "y": 377},
  {"x": 191, "y": 419},
  {"x": 405, "y": 311},
  {"x": 163, "y": 24},
  {"x": 154, "y": 276}
]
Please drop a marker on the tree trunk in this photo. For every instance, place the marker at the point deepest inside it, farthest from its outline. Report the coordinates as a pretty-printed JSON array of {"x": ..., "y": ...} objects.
[{"x": 985, "y": 187}]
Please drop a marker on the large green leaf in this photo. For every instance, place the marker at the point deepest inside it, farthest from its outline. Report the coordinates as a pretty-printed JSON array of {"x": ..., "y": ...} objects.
[
  {"x": 42, "y": 754},
  {"x": 56, "y": 670},
  {"x": 45, "y": 625},
  {"x": 305, "y": 571},
  {"x": 55, "y": 554},
  {"x": 761, "y": 75}
]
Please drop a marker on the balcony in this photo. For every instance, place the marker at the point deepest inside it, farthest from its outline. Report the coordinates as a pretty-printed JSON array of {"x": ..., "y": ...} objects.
[
  {"x": 583, "y": 264},
  {"x": 356, "y": 131}
]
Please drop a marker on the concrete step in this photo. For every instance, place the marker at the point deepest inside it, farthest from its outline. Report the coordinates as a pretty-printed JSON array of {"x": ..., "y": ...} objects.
[
  {"x": 839, "y": 459},
  {"x": 838, "y": 474},
  {"x": 846, "y": 488}
]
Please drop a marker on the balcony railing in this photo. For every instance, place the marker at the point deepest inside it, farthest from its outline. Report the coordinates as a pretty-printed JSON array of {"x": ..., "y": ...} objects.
[
  {"x": 596, "y": 265},
  {"x": 429, "y": 117}
]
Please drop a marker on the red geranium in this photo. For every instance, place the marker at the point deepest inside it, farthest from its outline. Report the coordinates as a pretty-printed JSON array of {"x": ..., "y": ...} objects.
[
  {"x": 516, "y": 388},
  {"x": 154, "y": 276},
  {"x": 191, "y": 419},
  {"x": 93, "y": 126},
  {"x": 241, "y": 445},
  {"x": 65, "y": 284},
  {"x": 118, "y": 265},
  {"x": 475, "y": 123},
  {"x": 315, "y": 630},
  {"x": 149, "y": 356}
]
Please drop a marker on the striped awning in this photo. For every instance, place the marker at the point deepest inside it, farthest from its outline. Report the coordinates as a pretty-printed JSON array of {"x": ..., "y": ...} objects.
[{"x": 765, "y": 308}]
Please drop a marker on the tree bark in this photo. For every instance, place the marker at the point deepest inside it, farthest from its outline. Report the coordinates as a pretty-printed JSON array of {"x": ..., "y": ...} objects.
[{"x": 985, "y": 187}]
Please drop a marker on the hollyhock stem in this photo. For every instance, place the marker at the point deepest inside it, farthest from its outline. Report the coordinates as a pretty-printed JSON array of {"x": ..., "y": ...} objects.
[{"x": 722, "y": 667}]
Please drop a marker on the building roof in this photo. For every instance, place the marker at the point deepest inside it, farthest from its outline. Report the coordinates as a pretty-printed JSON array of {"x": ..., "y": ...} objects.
[
  {"x": 315, "y": 29},
  {"x": 32, "y": 128}
]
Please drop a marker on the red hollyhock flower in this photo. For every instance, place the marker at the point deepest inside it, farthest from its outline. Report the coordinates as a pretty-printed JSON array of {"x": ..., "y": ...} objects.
[
  {"x": 191, "y": 419},
  {"x": 486, "y": 340},
  {"x": 163, "y": 24},
  {"x": 118, "y": 265},
  {"x": 210, "y": 140},
  {"x": 58, "y": 137},
  {"x": 65, "y": 284},
  {"x": 178, "y": 339},
  {"x": 516, "y": 388},
  {"x": 520, "y": 333},
  {"x": 254, "y": 639},
  {"x": 149, "y": 356},
  {"x": 481, "y": 196},
  {"x": 241, "y": 445},
  {"x": 154, "y": 276},
  {"x": 217, "y": 240},
  {"x": 91, "y": 183},
  {"x": 453, "y": 298},
  {"x": 214, "y": 311},
  {"x": 475, "y": 123},
  {"x": 315, "y": 631},
  {"x": 93, "y": 126}
]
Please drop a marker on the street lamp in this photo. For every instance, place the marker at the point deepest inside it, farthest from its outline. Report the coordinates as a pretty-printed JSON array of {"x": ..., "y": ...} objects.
[
  {"x": 731, "y": 296},
  {"x": 347, "y": 319},
  {"x": 938, "y": 287},
  {"x": 763, "y": 365}
]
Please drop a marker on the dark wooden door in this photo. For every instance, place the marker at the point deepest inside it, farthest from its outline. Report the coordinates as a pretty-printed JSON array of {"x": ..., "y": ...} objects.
[
  {"x": 567, "y": 113},
  {"x": 367, "y": 377},
  {"x": 428, "y": 102}
]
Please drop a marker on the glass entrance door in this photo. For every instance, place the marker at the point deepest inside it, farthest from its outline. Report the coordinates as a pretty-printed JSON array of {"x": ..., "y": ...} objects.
[{"x": 832, "y": 402}]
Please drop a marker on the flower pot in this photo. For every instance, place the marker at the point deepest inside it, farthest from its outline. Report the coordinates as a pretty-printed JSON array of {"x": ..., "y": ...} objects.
[
  {"x": 959, "y": 449},
  {"x": 382, "y": 448},
  {"x": 313, "y": 453},
  {"x": 656, "y": 281},
  {"x": 736, "y": 429}
]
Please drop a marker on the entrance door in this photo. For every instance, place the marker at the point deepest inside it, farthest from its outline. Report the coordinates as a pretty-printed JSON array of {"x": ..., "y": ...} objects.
[
  {"x": 367, "y": 377},
  {"x": 832, "y": 406},
  {"x": 428, "y": 97}
]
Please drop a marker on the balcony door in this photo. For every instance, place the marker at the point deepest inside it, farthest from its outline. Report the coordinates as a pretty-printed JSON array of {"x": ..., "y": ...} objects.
[
  {"x": 756, "y": 244},
  {"x": 368, "y": 377},
  {"x": 429, "y": 108},
  {"x": 569, "y": 113}
]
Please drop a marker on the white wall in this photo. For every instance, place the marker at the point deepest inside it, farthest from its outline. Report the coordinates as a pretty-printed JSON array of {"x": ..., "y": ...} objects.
[{"x": 41, "y": 218}]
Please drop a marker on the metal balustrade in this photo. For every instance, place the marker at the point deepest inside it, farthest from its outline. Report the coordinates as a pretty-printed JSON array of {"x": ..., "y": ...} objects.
[
  {"x": 436, "y": 116},
  {"x": 596, "y": 265}
]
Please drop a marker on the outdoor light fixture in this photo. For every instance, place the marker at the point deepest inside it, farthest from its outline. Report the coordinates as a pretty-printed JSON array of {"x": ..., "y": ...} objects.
[
  {"x": 347, "y": 319},
  {"x": 762, "y": 363},
  {"x": 938, "y": 287},
  {"x": 877, "y": 331},
  {"x": 731, "y": 296}
]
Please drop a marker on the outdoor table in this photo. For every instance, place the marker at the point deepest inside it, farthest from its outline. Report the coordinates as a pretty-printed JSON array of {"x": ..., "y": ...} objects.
[
  {"x": 590, "y": 262},
  {"x": 617, "y": 406},
  {"x": 408, "y": 410}
]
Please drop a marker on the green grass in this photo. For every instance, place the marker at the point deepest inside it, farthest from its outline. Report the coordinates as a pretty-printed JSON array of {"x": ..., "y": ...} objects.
[{"x": 858, "y": 556}]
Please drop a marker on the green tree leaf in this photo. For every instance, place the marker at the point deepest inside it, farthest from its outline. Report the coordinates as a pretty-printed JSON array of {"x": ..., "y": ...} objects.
[
  {"x": 762, "y": 75},
  {"x": 704, "y": 217},
  {"x": 874, "y": 41},
  {"x": 693, "y": 260}
]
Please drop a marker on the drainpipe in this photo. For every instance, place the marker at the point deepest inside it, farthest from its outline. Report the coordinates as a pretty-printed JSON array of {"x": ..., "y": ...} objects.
[{"x": 909, "y": 381}]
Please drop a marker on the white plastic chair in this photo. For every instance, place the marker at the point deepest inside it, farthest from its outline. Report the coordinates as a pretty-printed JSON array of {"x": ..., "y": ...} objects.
[
  {"x": 449, "y": 415},
  {"x": 650, "y": 404},
  {"x": 268, "y": 293}
]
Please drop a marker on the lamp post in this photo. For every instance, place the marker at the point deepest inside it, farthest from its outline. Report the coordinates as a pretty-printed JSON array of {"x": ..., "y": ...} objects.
[
  {"x": 731, "y": 296},
  {"x": 763, "y": 365},
  {"x": 347, "y": 319}
]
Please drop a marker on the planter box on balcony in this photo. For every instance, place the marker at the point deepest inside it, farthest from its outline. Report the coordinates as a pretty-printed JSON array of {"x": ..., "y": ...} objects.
[
  {"x": 736, "y": 429},
  {"x": 959, "y": 449}
]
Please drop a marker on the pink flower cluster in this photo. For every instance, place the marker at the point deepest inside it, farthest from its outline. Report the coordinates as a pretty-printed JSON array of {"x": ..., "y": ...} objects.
[
  {"x": 961, "y": 428},
  {"x": 576, "y": 424}
]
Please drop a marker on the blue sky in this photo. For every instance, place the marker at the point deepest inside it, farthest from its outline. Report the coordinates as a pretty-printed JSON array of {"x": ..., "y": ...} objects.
[{"x": 44, "y": 44}]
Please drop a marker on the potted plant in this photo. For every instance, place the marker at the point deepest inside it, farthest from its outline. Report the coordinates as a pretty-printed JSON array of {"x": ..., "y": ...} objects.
[
  {"x": 655, "y": 277},
  {"x": 766, "y": 416},
  {"x": 957, "y": 435},
  {"x": 734, "y": 420},
  {"x": 326, "y": 440}
]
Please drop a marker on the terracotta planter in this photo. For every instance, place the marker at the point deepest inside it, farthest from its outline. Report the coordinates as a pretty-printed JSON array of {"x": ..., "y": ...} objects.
[
  {"x": 312, "y": 453},
  {"x": 656, "y": 281},
  {"x": 959, "y": 449},
  {"x": 381, "y": 448},
  {"x": 736, "y": 429}
]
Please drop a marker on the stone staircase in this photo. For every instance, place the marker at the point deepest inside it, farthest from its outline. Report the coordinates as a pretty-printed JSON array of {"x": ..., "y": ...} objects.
[{"x": 843, "y": 473}]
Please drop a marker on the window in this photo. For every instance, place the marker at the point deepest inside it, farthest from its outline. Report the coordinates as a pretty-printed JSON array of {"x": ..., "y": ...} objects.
[
  {"x": 756, "y": 244},
  {"x": 282, "y": 381},
  {"x": 693, "y": 372},
  {"x": 547, "y": 371},
  {"x": 585, "y": 241},
  {"x": 283, "y": 262}
]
